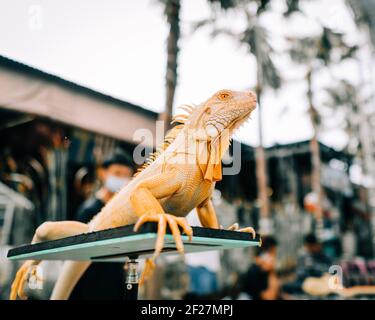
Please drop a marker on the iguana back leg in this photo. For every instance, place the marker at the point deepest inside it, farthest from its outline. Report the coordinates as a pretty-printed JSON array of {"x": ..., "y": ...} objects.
[
  {"x": 46, "y": 231},
  {"x": 68, "y": 278},
  {"x": 207, "y": 217},
  {"x": 145, "y": 202},
  {"x": 235, "y": 227}
]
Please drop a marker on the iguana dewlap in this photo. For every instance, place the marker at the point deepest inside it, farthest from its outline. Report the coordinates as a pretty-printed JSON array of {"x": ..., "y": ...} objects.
[{"x": 179, "y": 177}]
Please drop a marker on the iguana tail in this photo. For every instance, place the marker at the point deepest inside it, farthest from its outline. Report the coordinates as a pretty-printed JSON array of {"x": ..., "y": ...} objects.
[{"x": 71, "y": 272}]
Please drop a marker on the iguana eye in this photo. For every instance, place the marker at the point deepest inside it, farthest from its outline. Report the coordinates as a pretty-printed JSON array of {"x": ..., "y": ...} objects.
[{"x": 224, "y": 96}]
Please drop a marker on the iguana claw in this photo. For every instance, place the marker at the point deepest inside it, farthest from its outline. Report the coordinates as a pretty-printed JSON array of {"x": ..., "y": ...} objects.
[
  {"x": 173, "y": 222},
  {"x": 248, "y": 229},
  {"x": 147, "y": 270},
  {"x": 22, "y": 276},
  {"x": 235, "y": 227}
]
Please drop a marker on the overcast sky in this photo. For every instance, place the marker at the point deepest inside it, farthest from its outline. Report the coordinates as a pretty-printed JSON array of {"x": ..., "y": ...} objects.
[{"x": 118, "y": 47}]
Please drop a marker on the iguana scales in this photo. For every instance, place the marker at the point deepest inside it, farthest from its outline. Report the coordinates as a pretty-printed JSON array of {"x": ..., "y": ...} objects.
[{"x": 179, "y": 177}]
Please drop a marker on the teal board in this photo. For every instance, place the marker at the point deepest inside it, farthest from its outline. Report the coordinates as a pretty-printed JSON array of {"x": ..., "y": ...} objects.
[{"x": 119, "y": 243}]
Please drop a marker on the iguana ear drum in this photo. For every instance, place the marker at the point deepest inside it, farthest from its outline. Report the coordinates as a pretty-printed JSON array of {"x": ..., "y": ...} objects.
[{"x": 212, "y": 131}]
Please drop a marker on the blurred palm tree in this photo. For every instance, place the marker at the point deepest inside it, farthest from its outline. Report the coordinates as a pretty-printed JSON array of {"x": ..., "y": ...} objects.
[
  {"x": 256, "y": 39},
  {"x": 364, "y": 15},
  {"x": 346, "y": 102},
  {"x": 316, "y": 52},
  {"x": 343, "y": 100},
  {"x": 172, "y": 10}
]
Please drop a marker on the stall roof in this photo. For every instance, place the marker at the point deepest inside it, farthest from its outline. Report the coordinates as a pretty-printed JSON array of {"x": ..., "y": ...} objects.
[
  {"x": 303, "y": 147},
  {"x": 292, "y": 149},
  {"x": 29, "y": 90},
  {"x": 244, "y": 184}
]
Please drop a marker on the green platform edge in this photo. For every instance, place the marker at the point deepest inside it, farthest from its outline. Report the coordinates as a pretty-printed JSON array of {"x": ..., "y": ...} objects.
[{"x": 132, "y": 238}]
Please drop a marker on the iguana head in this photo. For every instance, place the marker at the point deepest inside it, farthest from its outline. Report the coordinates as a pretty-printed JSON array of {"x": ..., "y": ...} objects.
[
  {"x": 210, "y": 125},
  {"x": 214, "y": 122},
  {"x": 225, "y": 110}
]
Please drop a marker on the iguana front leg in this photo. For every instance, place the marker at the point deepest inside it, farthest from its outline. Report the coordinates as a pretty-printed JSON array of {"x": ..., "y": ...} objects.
[
  {"x": 208, "y": 218},
  {"x": 144, "y": 201},
  {"x": 207, "y": 215}
]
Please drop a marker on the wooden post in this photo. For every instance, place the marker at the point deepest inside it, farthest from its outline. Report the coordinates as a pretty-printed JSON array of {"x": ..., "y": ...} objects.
[
  {"x": 260, "y": 158},
  {"x": 315, "y": 156}
]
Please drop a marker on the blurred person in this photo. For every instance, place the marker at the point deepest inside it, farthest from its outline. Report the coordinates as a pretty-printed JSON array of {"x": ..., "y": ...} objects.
[
  {"x": 330, "y": 232},
  {"x": 311, "y": 263},
  {"x": 202, "y": 283},
  {"x": 104, "y": 280},
  {"x": 260, "y": 281},
  {"x": 115, "y": 172},
  {"x": 84, "y": 186},
  {"x": 354, "y": 279},
  {"x": 84, "y": 182}
]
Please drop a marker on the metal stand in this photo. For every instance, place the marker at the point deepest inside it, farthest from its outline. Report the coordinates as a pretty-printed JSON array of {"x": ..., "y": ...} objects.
[{"x": 131, "y": 283}]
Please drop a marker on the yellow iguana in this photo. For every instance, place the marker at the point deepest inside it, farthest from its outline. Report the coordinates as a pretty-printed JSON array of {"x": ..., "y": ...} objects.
[{"x": 179, "y": 177}]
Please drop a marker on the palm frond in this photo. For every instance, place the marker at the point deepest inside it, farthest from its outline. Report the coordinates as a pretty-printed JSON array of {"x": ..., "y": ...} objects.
[
  {"x": 256, "y": 39},
  {"x": 292, "y": 6}
]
